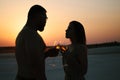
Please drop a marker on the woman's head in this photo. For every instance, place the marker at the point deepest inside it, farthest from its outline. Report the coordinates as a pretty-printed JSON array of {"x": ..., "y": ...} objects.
[{"x": 76, "y": 32}]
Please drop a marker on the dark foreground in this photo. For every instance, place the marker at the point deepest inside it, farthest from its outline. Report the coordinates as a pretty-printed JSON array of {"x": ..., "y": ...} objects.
[{"x": 103, "y": 66}]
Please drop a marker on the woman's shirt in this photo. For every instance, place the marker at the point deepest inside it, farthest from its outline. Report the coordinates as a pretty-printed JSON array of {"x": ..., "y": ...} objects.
[{"x": 75, "y": 60}]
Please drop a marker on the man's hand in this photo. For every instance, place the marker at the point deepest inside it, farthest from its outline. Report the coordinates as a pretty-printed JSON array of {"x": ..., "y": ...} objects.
[{"x": 52, "y": 52}]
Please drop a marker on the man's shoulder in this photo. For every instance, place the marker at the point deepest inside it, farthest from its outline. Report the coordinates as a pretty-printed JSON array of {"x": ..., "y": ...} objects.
[{"x": 27, "y": 32}]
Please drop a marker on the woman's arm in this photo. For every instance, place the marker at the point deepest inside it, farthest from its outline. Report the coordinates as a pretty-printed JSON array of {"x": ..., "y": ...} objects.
[
  {"x": 51, "y": 52},
  {"x": 82, "y": 58}
]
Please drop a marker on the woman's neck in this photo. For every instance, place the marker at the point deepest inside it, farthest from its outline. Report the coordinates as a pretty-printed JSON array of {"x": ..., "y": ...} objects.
[{"x": 73, "y": 41}]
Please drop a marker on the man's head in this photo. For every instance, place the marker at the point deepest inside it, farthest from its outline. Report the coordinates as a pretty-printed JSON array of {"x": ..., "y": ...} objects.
[{"x": 37, "y": 17}]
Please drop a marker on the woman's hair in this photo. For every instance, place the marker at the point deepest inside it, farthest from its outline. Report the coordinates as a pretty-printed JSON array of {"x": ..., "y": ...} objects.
[{"x": 79, "y": 32}]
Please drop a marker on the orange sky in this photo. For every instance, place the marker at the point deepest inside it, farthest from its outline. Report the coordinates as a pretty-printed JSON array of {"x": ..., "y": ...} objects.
[{"x": 99, "y": 17}]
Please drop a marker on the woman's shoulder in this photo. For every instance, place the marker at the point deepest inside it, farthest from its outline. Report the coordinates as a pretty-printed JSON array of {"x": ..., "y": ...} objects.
[{"x": 81, "y": 49}]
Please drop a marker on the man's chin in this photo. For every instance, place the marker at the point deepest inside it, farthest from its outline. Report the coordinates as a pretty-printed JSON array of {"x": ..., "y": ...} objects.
[{"x": 41, "y": 30}]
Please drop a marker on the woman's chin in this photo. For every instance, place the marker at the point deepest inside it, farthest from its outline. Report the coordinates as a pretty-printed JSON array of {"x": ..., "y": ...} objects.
[{"x": 66, "y": 36}]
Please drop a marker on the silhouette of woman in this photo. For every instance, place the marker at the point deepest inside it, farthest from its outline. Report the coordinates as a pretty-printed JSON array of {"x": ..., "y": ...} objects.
[{"x": 74, "y": 59}]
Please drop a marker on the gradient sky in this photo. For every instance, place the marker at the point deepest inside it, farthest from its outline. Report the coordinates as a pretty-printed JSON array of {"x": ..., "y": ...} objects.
[{"x": 101, "y": 19}]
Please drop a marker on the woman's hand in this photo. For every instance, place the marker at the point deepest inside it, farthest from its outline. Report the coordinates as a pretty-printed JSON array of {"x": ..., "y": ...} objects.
[{"x": 52, "y": 52}]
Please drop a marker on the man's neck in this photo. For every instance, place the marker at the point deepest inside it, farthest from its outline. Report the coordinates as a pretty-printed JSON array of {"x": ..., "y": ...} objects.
[{"x": 31, "y": 27}]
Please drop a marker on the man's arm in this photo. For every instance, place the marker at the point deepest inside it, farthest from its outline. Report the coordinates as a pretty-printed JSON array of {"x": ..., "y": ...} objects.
[{"x": 35, "y": 54}]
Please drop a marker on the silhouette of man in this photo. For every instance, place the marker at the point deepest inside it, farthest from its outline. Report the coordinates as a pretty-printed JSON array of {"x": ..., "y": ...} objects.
[{"x": 30, "y": 48}]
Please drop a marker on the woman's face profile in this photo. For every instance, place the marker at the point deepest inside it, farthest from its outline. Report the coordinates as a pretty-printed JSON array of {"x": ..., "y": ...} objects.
[{"x": 70, "y": 31}]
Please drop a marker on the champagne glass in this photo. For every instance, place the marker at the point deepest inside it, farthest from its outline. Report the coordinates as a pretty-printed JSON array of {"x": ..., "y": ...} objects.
[
  {"x": 54, "y": 59},
  {"x": 61, "y": 47}
]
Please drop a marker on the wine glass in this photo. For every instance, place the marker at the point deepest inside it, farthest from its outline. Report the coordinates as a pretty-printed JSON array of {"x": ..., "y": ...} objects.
[
  {"x": 54, "y": 59},
  {"x": 61, "y": 47}
]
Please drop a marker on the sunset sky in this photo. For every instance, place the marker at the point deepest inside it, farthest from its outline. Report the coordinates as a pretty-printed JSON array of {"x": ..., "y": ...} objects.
[{"x": 101, "y": 19}]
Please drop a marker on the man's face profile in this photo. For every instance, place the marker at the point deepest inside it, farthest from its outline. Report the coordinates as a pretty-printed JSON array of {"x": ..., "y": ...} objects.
[{"x": 41, "y": 21}]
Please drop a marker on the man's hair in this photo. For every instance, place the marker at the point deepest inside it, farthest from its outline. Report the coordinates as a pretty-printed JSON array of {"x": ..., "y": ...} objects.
[{"x": 36, "y": 9}]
